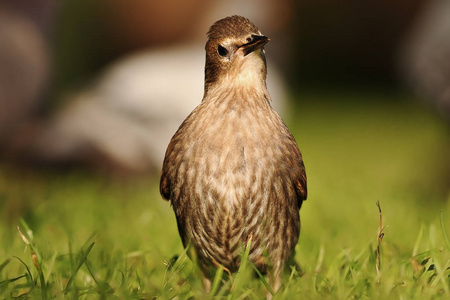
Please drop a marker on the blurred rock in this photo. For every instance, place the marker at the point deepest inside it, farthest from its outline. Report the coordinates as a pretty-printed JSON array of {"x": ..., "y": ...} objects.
[
  {"x": 125, "y": 121},
  {"x": 425, "y": 57},
  {"x": 24, "y": 70}
]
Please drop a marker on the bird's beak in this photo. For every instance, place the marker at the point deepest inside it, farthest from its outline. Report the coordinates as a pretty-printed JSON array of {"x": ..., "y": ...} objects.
[{"x": 257, "y": 42}]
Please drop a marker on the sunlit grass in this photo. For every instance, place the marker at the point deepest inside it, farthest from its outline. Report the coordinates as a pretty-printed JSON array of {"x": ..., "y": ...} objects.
[{"x": 86, "y": 236}]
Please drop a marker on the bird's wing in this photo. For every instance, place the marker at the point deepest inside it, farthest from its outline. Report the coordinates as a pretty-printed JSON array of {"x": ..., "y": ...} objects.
[
  {"x": 164, "y": 186},
  {"x": 165, "y": 183},
  {"x": 298, "y": 172},
  {"x": 300, "y": 185},
  {"x": 170, "y": 164}
]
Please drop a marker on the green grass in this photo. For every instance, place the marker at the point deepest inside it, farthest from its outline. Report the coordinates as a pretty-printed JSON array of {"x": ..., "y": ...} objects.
[{"x": 84, "y": 236}]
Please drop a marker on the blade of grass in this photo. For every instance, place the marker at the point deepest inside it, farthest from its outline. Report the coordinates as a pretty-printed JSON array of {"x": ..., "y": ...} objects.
[
  {"x": 261, "y": 277},
  {"x": 26, "y": 267},
  {"x": 217, "y": 279},
  {"x": 50, "y": 264},
  {"x": 5, "y": 263},
  {"x": 12, "y": 279},
  {"x": 320, "y": 258},
  {"x": 240, "y": 276},
  {"x": 83, "y": 258},
  {"x": 444, "y": 231},
  {"x": 379, "y": 240},
  {"x": 43, "y": 282},
  {"x": 173, "y": 267},
  {"x": 418, "y": 241},
  {"x": 290, "y": 281},
  {"x": 36, "y": 257},
  {"x": 440, "y": 274}
]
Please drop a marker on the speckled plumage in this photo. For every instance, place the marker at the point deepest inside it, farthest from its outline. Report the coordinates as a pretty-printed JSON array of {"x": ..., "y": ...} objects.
[{"x": 233, "y": 170}]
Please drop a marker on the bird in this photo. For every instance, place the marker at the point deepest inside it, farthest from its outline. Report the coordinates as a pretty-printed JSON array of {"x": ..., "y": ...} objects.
[{"x": 233, "y": 172}]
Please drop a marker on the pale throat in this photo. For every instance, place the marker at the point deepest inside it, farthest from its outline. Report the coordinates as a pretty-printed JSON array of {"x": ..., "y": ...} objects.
[{"x": 248, "y": 72}]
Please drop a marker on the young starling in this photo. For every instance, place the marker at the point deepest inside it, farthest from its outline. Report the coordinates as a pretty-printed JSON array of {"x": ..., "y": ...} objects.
[{"x": 233, "y": 171}]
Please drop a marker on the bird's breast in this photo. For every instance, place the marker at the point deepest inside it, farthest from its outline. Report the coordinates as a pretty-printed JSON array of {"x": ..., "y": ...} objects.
[
  {"x": 234, "y": 150},
  {"x": 230, "y": 180}
]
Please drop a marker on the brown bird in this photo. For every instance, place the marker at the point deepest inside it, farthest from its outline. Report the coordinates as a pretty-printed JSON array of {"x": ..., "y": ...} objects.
[{"x": 233, "y": 171}]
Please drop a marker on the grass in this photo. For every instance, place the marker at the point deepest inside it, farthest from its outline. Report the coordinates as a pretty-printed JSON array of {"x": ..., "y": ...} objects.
[{"x": 85, "y": 236}]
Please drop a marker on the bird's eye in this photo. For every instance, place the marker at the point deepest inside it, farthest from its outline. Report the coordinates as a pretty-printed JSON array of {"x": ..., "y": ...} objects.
[
  {"x": 249, "y": 39},
  {"x": 222, "y": 51}
]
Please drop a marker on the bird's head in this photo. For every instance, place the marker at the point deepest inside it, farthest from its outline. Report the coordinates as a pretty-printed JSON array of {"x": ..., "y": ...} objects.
[{"x": 235, "y": 53}]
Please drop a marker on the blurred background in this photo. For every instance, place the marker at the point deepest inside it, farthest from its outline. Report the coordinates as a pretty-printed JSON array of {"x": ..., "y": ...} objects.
[{"x": 102, "y": 85}]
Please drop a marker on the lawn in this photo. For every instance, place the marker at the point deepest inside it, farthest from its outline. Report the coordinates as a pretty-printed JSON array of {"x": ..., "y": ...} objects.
[{"x": 89, "y": 236}]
